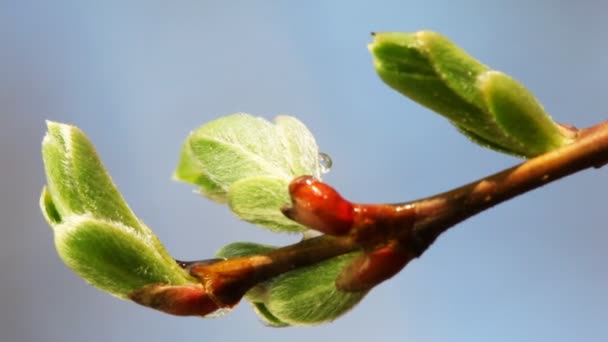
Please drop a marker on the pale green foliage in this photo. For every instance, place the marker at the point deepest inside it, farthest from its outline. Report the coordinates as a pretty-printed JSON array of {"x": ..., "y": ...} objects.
[
  {"x": 257, "y": 200},
  {"x": 249, "y": 162},
  {"x": 96, "y": 234},
  {"x": 488, "y": 106},
  {"x": 304, "y": 296}
]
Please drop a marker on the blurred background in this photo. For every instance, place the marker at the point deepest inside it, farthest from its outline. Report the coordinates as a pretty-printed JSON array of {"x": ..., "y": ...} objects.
[{"x": 138, "y": 76}]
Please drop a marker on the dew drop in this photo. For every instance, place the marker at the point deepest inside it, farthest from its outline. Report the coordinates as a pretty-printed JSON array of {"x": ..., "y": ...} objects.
[{"x": 325, "y": 162}]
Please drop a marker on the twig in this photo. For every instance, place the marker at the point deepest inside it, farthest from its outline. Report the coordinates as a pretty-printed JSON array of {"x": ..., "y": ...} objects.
[{"x": 411, "y": 226}]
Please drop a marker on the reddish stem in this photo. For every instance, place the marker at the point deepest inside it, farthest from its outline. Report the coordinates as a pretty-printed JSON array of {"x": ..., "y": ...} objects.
[{"x": 391, "y": 234}]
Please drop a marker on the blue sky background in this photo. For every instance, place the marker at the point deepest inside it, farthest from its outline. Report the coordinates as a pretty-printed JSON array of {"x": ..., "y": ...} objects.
[{"x": 137, "y": 76}]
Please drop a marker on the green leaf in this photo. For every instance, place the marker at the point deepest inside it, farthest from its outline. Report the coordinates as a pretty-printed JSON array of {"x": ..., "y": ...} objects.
[
  {"x": 266, "y": 316},
  {"x": 308, "y": 296},
  {"x": 189, "y": 171},
  {"x": 242, "y": 249},
  {"x": 305, "y": 296},
  {"x": 299, "y": 146},
  {"x": 76, "y": 178},
  {"x": 519, "y": 114},
  {"x": 249, "y": 162},
  {"x": 487, "y": 106},
  {"x": 113, "y": 257},
  {"x": 96, "y": 234},
  {"x": 258, "y": 200}
]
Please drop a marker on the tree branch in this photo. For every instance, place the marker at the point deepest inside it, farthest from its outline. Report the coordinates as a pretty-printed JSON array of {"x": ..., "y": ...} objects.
[{"x": 411, "y": 226}]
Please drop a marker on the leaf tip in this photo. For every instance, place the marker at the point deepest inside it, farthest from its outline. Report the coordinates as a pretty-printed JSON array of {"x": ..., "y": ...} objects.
[{"x": 49, "y": 210}]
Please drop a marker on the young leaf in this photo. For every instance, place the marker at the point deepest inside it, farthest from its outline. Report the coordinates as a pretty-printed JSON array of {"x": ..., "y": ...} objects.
[
  {"x": 96, "y": 234},
  {"x": 230, "y": 158},
  {"x": 113, "y": 257},
  {"x": 256, "y": 199},
  {"x": 242, "y": 249},
  {"x": 305, "y": 296},
  {"x": 308, "y": 295},
  {"x": 489, "y": 107},
  {"x": 299, "y": 146},
  {"x": 77, "y": 180},
  {"x": 189, "y": 171},
  {"x": 519, "y": 114}
]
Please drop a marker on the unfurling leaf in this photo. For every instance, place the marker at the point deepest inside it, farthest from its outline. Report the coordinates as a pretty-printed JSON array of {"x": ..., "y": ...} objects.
[
  {"x": 248, "y": 162},
  {"x": 488, "y": 106},
  {"x": 96, "y": 234},
  {"x": 256, "y": 199},
  {"x": 304, "y": 296}
]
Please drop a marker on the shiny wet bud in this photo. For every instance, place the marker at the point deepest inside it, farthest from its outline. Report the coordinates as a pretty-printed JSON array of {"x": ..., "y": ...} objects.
[{"x": 319, "y": 207}]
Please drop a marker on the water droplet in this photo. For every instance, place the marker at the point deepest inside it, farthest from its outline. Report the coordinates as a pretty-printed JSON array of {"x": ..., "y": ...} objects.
[{"x": 325, "y": 162}]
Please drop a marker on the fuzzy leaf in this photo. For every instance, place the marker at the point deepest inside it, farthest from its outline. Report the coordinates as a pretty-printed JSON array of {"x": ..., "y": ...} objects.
[
  {"x": 258, "y": 200},
  {"x": 489, "y": 107},
  {"x": 519, "y": 114},
  {"x": 299, "y": 145},
  {"x": 308, "y": 296},
  {"x": 242, "y": 249},
  {"x": 96, "y": 234},
  {"x": 76, "y": 178},
  {"x": 305, "y": 296},
  {"x": 189, "y": 171},
  {"x": 226, "y": 158},
  {"x": 113, "y": 257}
]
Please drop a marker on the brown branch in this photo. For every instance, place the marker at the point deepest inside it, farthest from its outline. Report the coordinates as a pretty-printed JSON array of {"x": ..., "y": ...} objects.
[
  {"x": 399, "y": 231},
  {"x": 438, "y": 213}
]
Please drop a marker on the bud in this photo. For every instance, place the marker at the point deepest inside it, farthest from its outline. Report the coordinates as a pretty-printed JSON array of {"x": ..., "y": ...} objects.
[
  {"x": 489, "y": 107},
  {"x": 320, "y": 207},
  {"x": 248, "y": 162},
  {"x": 96, "y": 234}
]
